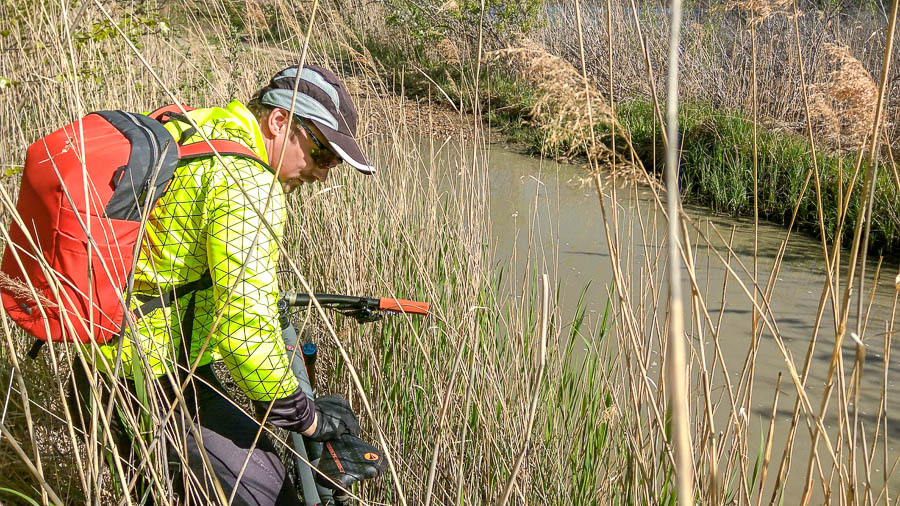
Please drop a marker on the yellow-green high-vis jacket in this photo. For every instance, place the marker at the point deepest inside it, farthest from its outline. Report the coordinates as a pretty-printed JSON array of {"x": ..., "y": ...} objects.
[{"x": 226, "y": 219}]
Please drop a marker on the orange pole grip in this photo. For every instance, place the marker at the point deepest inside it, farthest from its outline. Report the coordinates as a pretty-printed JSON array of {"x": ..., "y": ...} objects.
[{"x": 403, "y": 306}]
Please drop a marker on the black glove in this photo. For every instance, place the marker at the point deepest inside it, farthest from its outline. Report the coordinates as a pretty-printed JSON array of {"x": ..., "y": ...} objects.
[
  {"x": 336, "y": 418},
  {"x": 348, "y": 460}
]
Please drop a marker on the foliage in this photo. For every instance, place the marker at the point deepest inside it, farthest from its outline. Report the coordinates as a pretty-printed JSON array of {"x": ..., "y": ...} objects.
[
  {"x": 135, "y": 25},
  {"x": 432, "y": 20}
]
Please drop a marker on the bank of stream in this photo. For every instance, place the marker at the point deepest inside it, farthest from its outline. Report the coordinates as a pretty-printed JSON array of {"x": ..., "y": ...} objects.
[
  {"x": 717, "y": 160},
  {"x": 544, "y": 214}
]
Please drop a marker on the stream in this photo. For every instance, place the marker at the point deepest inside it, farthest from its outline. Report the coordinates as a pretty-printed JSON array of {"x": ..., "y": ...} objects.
[{"x": 542, "y": 213}]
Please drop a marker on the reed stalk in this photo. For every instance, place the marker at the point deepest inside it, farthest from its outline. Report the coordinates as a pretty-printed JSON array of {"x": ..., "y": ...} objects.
[
  {"x": 495, "y": 397},
  {"x": 675, "y": 361}
]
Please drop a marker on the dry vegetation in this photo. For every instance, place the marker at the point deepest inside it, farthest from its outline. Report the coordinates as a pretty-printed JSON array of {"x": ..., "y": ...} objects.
[
  {"x": 843, "y": 106},
  {"x": 489, "y": 388},
  {"x": 838, "y": 49},
  {"x": 568, "y": 107},
  {"x": 419, "y": 237}
]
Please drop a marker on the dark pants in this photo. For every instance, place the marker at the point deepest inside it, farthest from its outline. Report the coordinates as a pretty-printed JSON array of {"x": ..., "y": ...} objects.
[{"x": 226, "y": 433}]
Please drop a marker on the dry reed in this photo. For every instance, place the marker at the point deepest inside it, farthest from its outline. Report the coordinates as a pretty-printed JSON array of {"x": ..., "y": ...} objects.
[
  {"x": 562, "y": 104},
  {"x": 603, "y": 434},
  {"x": 843, "y": 107}
]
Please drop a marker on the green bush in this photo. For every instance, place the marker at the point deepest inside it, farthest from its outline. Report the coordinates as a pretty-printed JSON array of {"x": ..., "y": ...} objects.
[{"x": 428, "y": 21}]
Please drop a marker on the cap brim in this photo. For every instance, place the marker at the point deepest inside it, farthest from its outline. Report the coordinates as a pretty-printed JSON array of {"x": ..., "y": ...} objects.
[{"x": 347, "y": 148}]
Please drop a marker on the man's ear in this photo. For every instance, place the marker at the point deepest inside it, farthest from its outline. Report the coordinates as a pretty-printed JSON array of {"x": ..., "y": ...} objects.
[{"x": 277, "y": 121}]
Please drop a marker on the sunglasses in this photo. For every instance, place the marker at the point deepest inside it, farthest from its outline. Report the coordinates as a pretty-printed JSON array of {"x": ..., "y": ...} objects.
[{"x": 321, "y": 154}]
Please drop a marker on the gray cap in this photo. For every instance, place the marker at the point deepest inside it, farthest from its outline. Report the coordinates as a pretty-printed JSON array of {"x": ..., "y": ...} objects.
[{"x": 323, "y": 100}]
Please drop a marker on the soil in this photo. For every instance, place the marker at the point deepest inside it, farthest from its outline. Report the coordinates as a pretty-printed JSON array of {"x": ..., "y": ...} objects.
[{"x": 440, "y": 120}]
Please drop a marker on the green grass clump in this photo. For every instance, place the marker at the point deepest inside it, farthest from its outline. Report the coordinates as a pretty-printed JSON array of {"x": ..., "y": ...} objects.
[{"x": 717, "y": 171}]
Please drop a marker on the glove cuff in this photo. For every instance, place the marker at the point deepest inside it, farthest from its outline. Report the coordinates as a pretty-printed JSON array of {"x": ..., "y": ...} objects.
[{"x": 295, "y": 412}]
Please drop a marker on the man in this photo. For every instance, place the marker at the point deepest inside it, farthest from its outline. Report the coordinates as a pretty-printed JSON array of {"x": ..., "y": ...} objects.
[{"x": 222, "y": 220}]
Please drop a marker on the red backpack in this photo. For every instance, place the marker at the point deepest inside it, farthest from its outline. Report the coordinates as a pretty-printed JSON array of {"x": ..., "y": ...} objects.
[{"x": 86, "y": 190}]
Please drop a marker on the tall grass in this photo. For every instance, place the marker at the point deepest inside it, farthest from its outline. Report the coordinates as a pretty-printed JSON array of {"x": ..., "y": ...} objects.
[
  {"x": 717, "y": 155},
  {"x": 456, "y": 386},
  {"x": 470, "y": 389}
]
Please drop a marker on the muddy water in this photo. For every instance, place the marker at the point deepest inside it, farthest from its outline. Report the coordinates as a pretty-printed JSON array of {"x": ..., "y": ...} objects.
[{"x": 541, "y": 212}]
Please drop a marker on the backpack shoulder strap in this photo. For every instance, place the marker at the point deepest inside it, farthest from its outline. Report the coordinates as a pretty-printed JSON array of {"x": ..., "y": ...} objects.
[
  {"x": 222, "y": 147},
  {"x": 152, "y": 302},
  {"x": 203, "y": 149},
  {"x": 166, "y": 112}
]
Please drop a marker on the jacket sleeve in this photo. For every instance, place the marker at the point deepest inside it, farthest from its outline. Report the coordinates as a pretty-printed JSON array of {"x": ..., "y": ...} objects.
[{"x": 243, "y": 232}]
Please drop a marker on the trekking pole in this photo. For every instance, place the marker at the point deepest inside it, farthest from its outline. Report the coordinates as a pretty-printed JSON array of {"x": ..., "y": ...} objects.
[
  {"x": 303, "y": 365},
  {"x": 307, "y": 482}
]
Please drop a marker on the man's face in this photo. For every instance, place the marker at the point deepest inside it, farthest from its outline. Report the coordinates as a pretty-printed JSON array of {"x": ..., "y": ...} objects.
[{"x": 296, "y": 152}]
